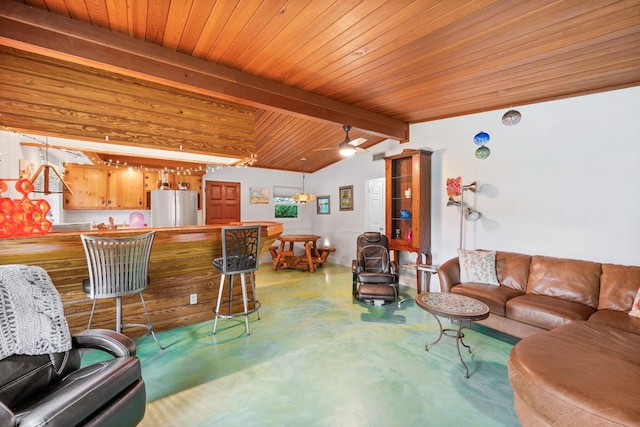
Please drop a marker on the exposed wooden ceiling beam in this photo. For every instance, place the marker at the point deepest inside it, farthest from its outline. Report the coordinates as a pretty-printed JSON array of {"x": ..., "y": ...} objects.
[{"x": 36, "y": 31}]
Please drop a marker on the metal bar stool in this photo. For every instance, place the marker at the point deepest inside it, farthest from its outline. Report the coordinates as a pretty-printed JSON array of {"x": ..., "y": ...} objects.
[
  {"x": 118, "y": 267},
  {"x": 240, "y": 246}
]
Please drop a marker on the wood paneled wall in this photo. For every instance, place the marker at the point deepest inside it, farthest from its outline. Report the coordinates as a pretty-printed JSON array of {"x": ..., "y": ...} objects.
[
  {"x": 52, "y": 96},
  {"x": 180, "y": 265}
]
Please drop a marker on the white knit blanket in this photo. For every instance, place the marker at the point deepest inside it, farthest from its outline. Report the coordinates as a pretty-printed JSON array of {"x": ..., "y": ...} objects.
[{"x": 31, "y": 314}]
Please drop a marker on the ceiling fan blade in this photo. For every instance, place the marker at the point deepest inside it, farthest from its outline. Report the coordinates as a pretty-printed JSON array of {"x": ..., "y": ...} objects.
[
  {"x": 324, "y": 149},
  {"x": 357, "y": 141}
]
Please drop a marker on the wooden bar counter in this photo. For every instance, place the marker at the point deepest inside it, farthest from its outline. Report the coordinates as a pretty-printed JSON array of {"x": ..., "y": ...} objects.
[{"x": 180, "y": 265}]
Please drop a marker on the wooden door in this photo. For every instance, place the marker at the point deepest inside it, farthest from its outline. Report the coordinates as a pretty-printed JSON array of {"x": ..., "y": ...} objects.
[{"x": 223, "y": 202}]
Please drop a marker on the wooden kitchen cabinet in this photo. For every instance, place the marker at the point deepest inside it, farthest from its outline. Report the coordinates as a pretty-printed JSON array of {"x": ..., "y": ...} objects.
[
  {"x": 408, "y": 203},
  {"x": 194, "y": 181},
  {"x": 126, "y": 189},
  {"x": 96, "y": 187},
  {"x": 89, "y": 185}
]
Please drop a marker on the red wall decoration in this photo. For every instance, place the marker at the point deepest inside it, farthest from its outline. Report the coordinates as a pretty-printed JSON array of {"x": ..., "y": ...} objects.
[{"x": 22, "y": 217}]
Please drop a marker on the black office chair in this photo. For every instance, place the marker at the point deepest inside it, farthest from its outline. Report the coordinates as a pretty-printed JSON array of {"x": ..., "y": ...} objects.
[
  {"x": 240, "y": 246},
  {"x": 375, "y": 274},
  {"x": 47, "y": 386}
]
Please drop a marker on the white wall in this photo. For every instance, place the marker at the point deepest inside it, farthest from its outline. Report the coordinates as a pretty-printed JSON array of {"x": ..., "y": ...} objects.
[
  {"x": 341, "y": 228},
  {"x": 563, "y": 182},
  {"x": 256, "y": 177}
]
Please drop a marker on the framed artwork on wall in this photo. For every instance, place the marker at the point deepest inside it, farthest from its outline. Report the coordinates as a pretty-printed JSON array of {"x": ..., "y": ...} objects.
[
  {"x": 323, "y": 207},
  {"x": 346, "y": 198},
  {"x": 258, "y": 195}
]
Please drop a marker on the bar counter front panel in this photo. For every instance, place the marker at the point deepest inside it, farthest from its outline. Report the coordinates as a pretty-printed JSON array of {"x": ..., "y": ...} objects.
[{"x": 180, "y": 265}]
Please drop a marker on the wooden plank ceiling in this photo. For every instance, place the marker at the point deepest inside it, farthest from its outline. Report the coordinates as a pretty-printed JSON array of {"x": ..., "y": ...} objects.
[{"x": 279, "y": 78}]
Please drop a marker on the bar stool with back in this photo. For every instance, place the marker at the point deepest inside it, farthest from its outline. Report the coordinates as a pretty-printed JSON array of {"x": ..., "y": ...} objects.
[
  {"x": 118, "y": 267},
  {"x": 240, "y": 246}
]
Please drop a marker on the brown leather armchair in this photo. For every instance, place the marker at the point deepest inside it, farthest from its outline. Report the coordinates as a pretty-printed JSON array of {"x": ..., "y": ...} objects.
[
  {"x": 375, "y": 274},
  {"x": 53, "y": 390}
]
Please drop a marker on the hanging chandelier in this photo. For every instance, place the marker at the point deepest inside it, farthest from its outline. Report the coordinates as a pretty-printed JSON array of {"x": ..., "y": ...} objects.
[
  {"x": 303, "y": 197},
  {"x": 47, "y": 180}
]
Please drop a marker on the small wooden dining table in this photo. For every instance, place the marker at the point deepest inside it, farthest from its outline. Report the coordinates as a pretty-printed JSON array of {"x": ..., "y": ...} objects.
[{"x": 285, "y": 257}]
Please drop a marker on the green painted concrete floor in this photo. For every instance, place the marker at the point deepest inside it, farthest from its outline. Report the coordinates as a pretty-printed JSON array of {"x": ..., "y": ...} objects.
[{"x": 317, "y": 358}]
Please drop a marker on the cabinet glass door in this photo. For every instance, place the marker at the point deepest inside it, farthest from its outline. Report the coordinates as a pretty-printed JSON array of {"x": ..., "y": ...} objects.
[{"x": 401, "y": 200}]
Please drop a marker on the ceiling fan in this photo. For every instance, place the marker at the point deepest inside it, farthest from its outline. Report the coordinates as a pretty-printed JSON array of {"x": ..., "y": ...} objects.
[{"x": 348, "y": 147}]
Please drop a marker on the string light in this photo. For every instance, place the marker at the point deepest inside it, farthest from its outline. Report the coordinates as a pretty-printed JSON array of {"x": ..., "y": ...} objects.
[{"x": 210, "y": 167}]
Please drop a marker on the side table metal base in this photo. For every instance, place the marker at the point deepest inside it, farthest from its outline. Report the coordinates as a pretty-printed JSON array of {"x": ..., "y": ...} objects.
[
  {"x": 454, "y": 307},
  {"x": 453, "y": 333}
]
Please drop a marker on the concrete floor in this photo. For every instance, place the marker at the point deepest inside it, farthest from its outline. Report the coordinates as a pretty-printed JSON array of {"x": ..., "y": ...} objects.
[{"x": 317, "y": 358}]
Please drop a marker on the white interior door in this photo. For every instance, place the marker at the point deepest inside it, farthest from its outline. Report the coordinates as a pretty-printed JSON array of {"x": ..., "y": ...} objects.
[{"x": 375, "y": 204}]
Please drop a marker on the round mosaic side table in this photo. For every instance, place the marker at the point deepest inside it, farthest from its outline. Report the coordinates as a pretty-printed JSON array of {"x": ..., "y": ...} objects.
[{"x": 454, "y": 307}]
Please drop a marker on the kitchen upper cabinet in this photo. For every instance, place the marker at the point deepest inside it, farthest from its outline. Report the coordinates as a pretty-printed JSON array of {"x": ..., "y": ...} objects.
[
  {"x": 192, "y": 182},
  {"x": 89, "y": 185},
  {"x": 126, "y": 189},
  {"x": 96, "y": 187}
]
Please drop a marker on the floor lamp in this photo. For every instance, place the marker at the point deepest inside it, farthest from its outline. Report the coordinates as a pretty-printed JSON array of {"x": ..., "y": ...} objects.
[{"x": 466, "y": 212}]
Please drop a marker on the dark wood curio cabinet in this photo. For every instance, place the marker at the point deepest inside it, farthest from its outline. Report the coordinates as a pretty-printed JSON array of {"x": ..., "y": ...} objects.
[{"x": 408, "y": 203}]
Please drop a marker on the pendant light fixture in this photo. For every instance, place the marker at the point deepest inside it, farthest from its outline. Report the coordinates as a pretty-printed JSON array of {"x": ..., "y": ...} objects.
[
  {"x": 303, "y": 197},
  {"x": 47, "y": 180}
]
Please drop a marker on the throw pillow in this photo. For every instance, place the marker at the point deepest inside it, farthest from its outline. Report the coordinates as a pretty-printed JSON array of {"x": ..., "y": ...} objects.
[
  {"x": 478, "y": 267},
  {"x": 635, "y": 308}
]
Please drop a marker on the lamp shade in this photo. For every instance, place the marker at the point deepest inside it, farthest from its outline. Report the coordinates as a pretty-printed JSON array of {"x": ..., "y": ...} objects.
[
  {"x": 47, "y": 180},
  {"x": 471, "y": 215},
  {"x": 303, "y": 197},
  {"x": 453, "y": 202}
]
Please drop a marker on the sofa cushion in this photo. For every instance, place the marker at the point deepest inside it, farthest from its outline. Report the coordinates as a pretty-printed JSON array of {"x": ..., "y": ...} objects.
[
  {"x": 616, "y": 319},
  {"x": 567, "y": 279},
  {"x": 618, "y": 286},
  {"x": 578, "y": 375},
  {"x": 495, "y": 297},
  {"x": 478, "y": 266},
  {"x": 513, "y": 270},
  {"x": 635, "y": 307},
  {"x": 546, "y": 312}
]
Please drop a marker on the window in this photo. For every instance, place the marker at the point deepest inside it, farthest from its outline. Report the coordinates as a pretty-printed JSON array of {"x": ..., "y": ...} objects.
[{"x": 284, "y": 205}]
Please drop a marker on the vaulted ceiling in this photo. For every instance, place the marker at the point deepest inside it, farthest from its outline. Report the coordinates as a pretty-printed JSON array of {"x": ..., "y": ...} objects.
[{"x": 280, "y": 78}]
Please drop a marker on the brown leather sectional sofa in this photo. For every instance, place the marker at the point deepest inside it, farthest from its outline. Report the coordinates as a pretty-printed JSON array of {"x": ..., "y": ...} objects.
[{"x": 579, "y": 360}]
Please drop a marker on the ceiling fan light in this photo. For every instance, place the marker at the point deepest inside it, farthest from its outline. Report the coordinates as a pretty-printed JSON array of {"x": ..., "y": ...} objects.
[{"x": 347, "y": 150}]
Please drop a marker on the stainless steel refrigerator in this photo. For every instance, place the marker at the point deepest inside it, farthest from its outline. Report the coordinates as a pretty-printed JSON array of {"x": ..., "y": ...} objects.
[{"x": 170, "y": 208}]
